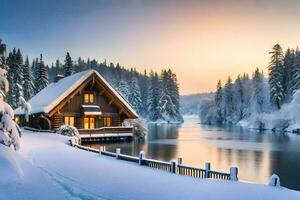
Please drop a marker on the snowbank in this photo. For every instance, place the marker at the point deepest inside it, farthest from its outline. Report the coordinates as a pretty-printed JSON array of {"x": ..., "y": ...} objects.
[
  {"x": 285, "y": 119},
  {"x": 48, "y": 168},
  {"x": 19, "y": 179}
]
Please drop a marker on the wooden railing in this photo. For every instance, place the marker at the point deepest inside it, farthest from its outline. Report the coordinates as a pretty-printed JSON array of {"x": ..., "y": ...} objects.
[
  {"x": 190, "y": 171},
  {"x": 156, "y": 164},
  {"x": 105, "y": 130},
  {"x": 173, "y": 167}
]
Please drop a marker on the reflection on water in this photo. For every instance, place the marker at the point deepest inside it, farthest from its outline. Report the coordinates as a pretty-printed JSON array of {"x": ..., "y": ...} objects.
[{"x": 257, "y": 155}]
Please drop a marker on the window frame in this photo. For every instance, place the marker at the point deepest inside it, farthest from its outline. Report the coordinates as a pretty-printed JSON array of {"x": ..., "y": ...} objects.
[
  {"x": 90, "y": 121},
  {"x": 89, "y": 98},
  {"x": 68, "y": 120},
  {"x": 107, "y": 121}
]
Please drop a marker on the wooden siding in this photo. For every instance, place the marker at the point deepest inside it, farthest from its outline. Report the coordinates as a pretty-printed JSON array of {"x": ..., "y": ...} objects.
[{"x": 74, "y": 108}]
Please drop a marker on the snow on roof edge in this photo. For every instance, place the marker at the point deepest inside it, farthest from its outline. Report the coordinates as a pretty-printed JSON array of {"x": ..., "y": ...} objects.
[
  {"x": 117, "y": 94},
  {"x": 68, "y": 91}
]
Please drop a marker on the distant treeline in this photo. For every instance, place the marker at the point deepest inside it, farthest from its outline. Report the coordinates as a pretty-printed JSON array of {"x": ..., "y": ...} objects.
[
  {"x": 154, "y": 96},
  {"x": 247, "y": 96}
]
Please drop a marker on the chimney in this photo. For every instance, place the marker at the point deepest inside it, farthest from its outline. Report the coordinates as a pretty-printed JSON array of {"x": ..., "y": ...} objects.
[
  {"x": 58, "y": 77},
  {"x": 2, "y": 49}
]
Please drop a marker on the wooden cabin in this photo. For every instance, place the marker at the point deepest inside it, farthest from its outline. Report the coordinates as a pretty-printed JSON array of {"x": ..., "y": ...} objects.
[{"x": 84, "y": 100}]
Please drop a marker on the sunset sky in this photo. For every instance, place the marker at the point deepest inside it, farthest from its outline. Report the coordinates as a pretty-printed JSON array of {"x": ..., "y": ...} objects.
[{"x": 201, "y": 41}]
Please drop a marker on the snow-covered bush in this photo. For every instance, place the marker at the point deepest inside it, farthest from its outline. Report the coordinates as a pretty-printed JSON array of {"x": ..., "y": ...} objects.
[
  {"x": 70, "y": 131},
  {"x": 9, "y": 132},
  {"x": 67, "y": 130},
  {"x": 140, "y": 127}
]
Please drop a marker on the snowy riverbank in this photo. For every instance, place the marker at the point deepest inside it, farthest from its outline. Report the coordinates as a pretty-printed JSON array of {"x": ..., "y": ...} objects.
[{"x": 47, "y": 168}]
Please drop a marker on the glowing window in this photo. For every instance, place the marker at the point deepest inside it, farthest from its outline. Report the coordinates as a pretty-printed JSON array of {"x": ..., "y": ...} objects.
[
  {"x": 86, "y": 98},
  {"x": 107, "y": 121},
  {"x": 70, "y": 121},
  {"x": 89, "y": 98},
  {"x": 89, "y": 122},
  {"x": 92, "y": 122}
]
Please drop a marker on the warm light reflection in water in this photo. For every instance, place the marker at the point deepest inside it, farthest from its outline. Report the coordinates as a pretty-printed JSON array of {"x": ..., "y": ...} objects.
[{"x": 257, "y": 155}]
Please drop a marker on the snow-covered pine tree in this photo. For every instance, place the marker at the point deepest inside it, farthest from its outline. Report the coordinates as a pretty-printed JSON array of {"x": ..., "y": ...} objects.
[
  {"x": 15, "y": 77},
  {"x": 288, "y": 63},
  {"x": 10, "y": 74},
  {"x": 9, "y": 132},
  {"x": 228, "y": 101},
  {"x": 167, "y": 108},
  {"x": 35, "y": 74},
  {"x": 296, "y": 72},
  {"x": 68, "y": 67},
  {"x": 276, "y": 74},
  {"x": 261, "y": 97},
  {"x": 219, "y": 103},
  {"x": 153, "y": 97},
  {"x": 174, "y": 94},
  {"x": 42, "y": 75},
  {"x": 134, "y": 97},
  {"x": 27, "y": 81},
  {"x": 144, "y": 88},
  {"x": 3, "y": 64},
  {"x": 18, "y": 78},
  {"x": 123, "y": 89},
  {"x": 242, "y": 97}
]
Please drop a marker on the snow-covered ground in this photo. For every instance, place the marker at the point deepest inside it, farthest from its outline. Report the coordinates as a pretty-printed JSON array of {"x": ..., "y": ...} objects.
[{"x": 47, "y": 168}]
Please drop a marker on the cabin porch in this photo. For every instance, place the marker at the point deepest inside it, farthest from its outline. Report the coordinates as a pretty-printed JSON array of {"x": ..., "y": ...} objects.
[{"x": 112, "y": 133}]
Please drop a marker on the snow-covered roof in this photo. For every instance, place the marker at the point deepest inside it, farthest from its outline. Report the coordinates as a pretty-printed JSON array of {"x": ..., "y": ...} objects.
[{"x": 48, "y": 98}]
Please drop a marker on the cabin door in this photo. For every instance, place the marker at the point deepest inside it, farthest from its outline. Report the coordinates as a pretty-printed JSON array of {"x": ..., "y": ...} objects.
[{"x": 89, "y": 122}]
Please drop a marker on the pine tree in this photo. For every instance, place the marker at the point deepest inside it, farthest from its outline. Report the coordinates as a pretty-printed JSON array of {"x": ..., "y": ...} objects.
[
  {"x": 42, "y": 75},
  {"x": 228, "y": 101},
  {"x": 261, "y": 92},
  {"x": 18, "y": 78},
  {"x": 166, "y": 104},
  {"x": 175, "y": 95},
  {"x": 288, "y": 63},
  {"x": 15, "y": 77},
  {"x": 144, "y": 88},
  {"x": 153, "y": 97},
  {"x": 276, "y": 74},
  {"x": 27, "y": 82},
  {"x": 68, "y": 65},
  {"x": 3, "y": 64},
  {"x": 35, "y": 74},
  {"x": 219, "y": 102},
  {"x": 123, "y": 89},
  {"x": 134, "y": 97},
  {"x": 295, "y": 80}
]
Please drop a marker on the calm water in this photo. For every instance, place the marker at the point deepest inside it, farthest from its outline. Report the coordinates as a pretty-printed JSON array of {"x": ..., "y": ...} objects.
[{"x": 257, "y": 155}]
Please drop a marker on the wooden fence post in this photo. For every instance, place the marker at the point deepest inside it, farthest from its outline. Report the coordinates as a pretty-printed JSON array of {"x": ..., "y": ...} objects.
[
  {"x": 141, "y": 157},
  {"x": 274, "y": 181},
  {"x": 179, "y": 161},
  {"x": 118, "y": 152},
  {"x": 100, "y": 150},
  {"x": 207, "y": 169},
  {"x": 173, "y": 166},
  {"x": 234, "y": 174}
]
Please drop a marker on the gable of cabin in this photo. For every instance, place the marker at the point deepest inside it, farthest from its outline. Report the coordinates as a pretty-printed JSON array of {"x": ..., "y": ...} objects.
[{"x": 91, "y": 105}]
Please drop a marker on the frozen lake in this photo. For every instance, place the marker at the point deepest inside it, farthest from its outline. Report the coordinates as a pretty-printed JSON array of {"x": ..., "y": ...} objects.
[{"x": 257, "y": 154}]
